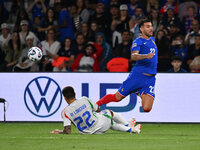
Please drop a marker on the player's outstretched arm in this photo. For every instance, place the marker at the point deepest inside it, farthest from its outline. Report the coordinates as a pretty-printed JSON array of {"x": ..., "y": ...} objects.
[
  {"x": 135, "y": 56},
  {"x": 67, "y": 130}
]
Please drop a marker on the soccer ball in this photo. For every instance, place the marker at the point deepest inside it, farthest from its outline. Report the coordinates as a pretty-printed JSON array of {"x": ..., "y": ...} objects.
[{"x": 35, "y": 53}]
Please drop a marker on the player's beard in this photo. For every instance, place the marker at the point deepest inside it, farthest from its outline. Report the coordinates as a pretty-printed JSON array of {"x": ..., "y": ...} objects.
[{"x": 146, "y": 34}]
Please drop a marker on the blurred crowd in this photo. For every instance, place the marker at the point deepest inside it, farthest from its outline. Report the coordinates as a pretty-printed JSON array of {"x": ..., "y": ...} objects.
[{"x": 96, "y": 35}]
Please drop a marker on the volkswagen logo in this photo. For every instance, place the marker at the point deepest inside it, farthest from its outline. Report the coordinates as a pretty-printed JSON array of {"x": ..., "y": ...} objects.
[{"x": 43, "y": 96}]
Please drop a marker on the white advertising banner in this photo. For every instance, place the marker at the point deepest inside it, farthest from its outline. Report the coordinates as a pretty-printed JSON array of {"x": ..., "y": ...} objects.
[{"x": 38, "y": 97}]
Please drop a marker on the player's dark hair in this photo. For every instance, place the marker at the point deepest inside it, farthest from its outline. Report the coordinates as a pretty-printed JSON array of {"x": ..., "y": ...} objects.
[
  {"x": 68, "y": 92},
  {"x": 143, "y": 22}
]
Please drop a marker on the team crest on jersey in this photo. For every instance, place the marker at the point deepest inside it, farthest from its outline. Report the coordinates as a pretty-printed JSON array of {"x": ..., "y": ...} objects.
[
  {"x": 134, "y": 45},
  {"x": 122, "y": 90}
]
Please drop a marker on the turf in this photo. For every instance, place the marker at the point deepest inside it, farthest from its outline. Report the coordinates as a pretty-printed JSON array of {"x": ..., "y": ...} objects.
[{"x": 35, "y": 136}]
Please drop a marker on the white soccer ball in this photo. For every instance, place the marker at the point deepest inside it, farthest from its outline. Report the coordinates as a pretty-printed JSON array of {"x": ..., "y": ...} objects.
[{"x": 35, "y": 53}]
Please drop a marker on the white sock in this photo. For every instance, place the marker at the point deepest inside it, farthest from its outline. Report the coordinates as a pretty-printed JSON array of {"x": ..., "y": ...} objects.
[
  {"x": 120, "y": 127},
  {"x": 119, "y": 119}
]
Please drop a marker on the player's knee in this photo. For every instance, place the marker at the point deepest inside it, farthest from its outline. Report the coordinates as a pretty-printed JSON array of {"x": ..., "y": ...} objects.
[
  {"x": 147, "y": 108},
  {"x": 147, "y": 102},
  {"x": 118, "y": 97}
]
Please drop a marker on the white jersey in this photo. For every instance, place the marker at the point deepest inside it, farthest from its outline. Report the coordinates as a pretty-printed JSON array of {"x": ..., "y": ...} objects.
[{"x": 82, "y": 114}]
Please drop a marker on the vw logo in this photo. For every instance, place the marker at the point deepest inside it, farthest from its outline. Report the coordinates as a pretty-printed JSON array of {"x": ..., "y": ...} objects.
[{"x": 43, "y": 96}]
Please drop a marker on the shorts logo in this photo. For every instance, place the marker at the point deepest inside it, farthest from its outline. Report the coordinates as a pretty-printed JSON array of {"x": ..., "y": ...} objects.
[
  {"x": 43, "y": 96},
  {"x": 122, "y": 90}
]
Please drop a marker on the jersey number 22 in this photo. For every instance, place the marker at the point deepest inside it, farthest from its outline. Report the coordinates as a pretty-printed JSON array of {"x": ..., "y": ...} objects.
[{"x": 79, "y": 120}]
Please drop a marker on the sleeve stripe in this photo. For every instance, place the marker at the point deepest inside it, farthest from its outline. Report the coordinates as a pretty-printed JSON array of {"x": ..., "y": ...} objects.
[
  {"x": 90, "y": 104},
  {"x": 66, "y": 116}
]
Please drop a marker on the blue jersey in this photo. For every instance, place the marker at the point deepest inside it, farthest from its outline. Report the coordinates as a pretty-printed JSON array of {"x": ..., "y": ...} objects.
[{"x": 145, "y": 46}]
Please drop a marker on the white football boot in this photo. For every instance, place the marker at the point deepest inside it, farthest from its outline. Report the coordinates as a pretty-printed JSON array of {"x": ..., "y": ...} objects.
[
  {"x": 132, "y": 122},
  {"x": 136, "y": 129}
]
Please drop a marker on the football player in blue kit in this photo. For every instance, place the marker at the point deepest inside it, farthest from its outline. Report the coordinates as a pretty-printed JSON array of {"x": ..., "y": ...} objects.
[{"x": 141, "y": 79}]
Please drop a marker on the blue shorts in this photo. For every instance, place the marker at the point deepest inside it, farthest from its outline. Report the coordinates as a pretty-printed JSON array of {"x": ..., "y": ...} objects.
[{"x": 138, "y": 83}]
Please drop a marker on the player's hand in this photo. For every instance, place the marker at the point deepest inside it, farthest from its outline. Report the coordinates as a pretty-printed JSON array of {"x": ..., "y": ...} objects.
[
  {"x": 150, "y": 55},
  {"x": 56, "y": 131}
]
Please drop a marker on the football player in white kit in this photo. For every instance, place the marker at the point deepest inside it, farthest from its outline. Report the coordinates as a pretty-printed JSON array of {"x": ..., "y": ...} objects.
[{"x": 89, "y": 119}]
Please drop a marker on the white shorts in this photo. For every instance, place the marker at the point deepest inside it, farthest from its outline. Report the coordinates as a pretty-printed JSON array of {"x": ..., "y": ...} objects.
[{"x": 104, "y": 121}]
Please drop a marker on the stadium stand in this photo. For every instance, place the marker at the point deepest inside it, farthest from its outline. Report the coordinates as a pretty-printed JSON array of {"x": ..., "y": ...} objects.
[{"x": 100, "y": 21}]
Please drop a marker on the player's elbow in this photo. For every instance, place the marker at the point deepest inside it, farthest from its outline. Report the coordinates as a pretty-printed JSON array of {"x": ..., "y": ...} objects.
[
  {"x": 133, "y": 58},
  {"x": 67, "y": 132}
]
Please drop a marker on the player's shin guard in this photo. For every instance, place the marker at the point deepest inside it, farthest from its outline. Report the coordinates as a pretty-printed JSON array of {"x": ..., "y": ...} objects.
[
  {"x": 119, "y": 119},
  {"x": 120, "y": 127},
  {"x": 107, "y": 99}
]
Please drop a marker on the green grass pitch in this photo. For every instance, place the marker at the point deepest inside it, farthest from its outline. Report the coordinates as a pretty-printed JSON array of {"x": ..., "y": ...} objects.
[{"x": 35, "y": 136}]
